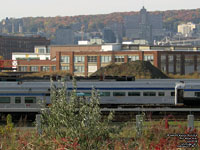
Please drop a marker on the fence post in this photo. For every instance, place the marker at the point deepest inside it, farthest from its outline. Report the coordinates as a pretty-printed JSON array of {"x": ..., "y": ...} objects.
[
  {"x": 38, "y": 124},
  {"x": 139, "y": 124},
  {"x": 190, "y": 119}
]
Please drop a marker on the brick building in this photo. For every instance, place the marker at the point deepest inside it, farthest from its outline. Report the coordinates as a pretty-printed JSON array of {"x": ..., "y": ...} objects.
[
  {"x": 9, "y": 44},
  {"x": 84, "y": 60}
]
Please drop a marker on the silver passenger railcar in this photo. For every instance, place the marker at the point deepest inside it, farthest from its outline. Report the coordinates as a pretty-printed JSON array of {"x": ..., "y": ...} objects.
[{"x": 24, "y": 96}]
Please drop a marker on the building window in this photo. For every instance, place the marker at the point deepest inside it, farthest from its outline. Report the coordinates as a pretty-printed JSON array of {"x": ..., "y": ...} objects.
[
  {"x": 119, "y": 94},
  {"x": 92, "y": 58},
  {"x": 41, "y": 50},
  {"x": 133, "y": 58},
  {"x": 105, "y": 59},
  {"x": 48, "y": 49},
  {"x": 64, "y": 59},
  {"x": 79, "y": 69},
  {"x": 34, "y": 68},
  {"x": 171, "y": 63},
  {"x": 148, "y": 57},
  {"x": 53, "y": 68},
  {"x": 189, "y": 64},
  {"x": 119, "y": 58},
  {"x": 23, "y": 68},
  {"x": 79, "y": 59},
  {"x": 45, "y": 68},
  {"x": 64, "y": 68},
  {"x": 4, "y": 99},
  {"x": 178, "y": 63},
  {"x": 149, "y": 94},
  {"x": 163, "y": 63}
]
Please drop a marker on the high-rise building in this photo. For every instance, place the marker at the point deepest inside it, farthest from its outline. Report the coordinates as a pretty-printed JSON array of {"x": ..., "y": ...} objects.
[
  {"x": 109, "y": 36},
  {"x": 144, "y": 26},
  {"x": 64, "y": 36},
  {"x": 10, "y": 44}
]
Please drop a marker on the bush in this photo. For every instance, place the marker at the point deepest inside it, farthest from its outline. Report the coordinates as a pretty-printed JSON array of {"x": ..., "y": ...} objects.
[{"x": 75, "y": 118}]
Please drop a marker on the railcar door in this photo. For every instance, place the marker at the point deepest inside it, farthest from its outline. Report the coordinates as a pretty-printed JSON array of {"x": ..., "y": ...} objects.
[
  {"x": 180, "y": 96},
  {"x": 179, "y": 93}
]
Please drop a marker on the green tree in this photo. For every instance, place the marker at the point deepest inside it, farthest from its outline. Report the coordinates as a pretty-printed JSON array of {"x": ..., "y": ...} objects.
[{"x": 75, "y": 117}]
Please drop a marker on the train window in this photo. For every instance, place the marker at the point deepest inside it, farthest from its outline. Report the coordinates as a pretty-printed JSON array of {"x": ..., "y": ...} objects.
[
  {"x": 87, "y": 93},
  {"x": 47, "y": 94},
  {"x": 104, "y": 93},
  {"x": 4, "y": 99},
  {"x": 17, "y": 99},
  {"x": 30, "y": 99},
  {"x": 197, "y": 94},
  {"x": 119, "y": 94},
  {"x": 172, "y": 93},
  {"x": 149, "y": 93},
  {"x": 133, "y": 93},
  {"x": 161, "y": 93},
  {"x": 68, "y": 93}
]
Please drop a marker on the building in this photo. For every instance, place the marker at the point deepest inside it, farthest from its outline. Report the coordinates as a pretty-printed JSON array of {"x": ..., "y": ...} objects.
[
  {"x": 109, "y": 36},
  {"x": 10, "y": 44},
  {"x": 40, "y": 53},
  {"x": 117, "y": 28},
  {"x": 83, "y": 60},
  {"x": 144, "y": 26},
  {"x": 64, "y": 36},
  {"x": 186, "y": 29}
]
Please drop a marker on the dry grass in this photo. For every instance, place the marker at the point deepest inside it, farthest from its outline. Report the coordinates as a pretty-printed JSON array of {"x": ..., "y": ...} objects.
[
  {"x": 139, "y": 69},
  {"x": 52, "y": 73},
  {"x": 195, "y": 75}
]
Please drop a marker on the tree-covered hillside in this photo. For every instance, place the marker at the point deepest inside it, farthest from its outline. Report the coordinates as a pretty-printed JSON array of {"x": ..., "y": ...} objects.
[{"x": 88, "y": 23}]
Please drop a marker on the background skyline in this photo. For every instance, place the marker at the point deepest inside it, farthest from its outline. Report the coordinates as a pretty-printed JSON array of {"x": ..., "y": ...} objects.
[{"x": 52, "y": 8}]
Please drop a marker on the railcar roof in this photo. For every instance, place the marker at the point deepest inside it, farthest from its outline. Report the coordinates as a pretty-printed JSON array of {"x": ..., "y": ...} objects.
[{"x": 137, "y": 83}]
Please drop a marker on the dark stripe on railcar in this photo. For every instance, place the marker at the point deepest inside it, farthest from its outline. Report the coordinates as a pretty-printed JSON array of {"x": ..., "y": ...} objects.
[
  {"x": 22, "y": 94},
  {"x": 122, "y": 88}
]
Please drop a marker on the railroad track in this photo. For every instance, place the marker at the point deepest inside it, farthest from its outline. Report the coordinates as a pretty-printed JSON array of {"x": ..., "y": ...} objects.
[{"x": 137, "y": 109}]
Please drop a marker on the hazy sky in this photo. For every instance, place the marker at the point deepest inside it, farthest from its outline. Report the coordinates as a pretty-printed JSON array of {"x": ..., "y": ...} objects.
[{"x": 24, "y": 8}]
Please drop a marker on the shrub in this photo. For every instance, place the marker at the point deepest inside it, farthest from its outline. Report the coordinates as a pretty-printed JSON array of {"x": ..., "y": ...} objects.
[{"x": 75, "y": 118}]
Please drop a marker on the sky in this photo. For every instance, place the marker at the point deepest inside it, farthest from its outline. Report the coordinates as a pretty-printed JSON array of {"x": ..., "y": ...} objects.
[{"x": 51, "y": 8}]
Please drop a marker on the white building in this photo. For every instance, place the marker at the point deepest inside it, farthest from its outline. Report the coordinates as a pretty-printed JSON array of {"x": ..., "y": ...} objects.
[
  {"x": 186, "y": 29},
  {"x": 40, "y": 53}
]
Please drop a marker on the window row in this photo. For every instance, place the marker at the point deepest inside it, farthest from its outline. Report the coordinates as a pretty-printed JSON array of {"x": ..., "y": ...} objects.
[
  {"x": 148, "y": 58},
  {"x": 133, "y": 58},
  {"x": 104, "y": 59},
  {"x": 36, "y": 68},
  {"x": 129, "y": 94},
  {"x": 64, "y": 68},
  {"x": 18, "y": 100},
  {"x": 78, "y": 59},
  {"x": 64, "y": 59},
  {"x": 79, "y": 69}
]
